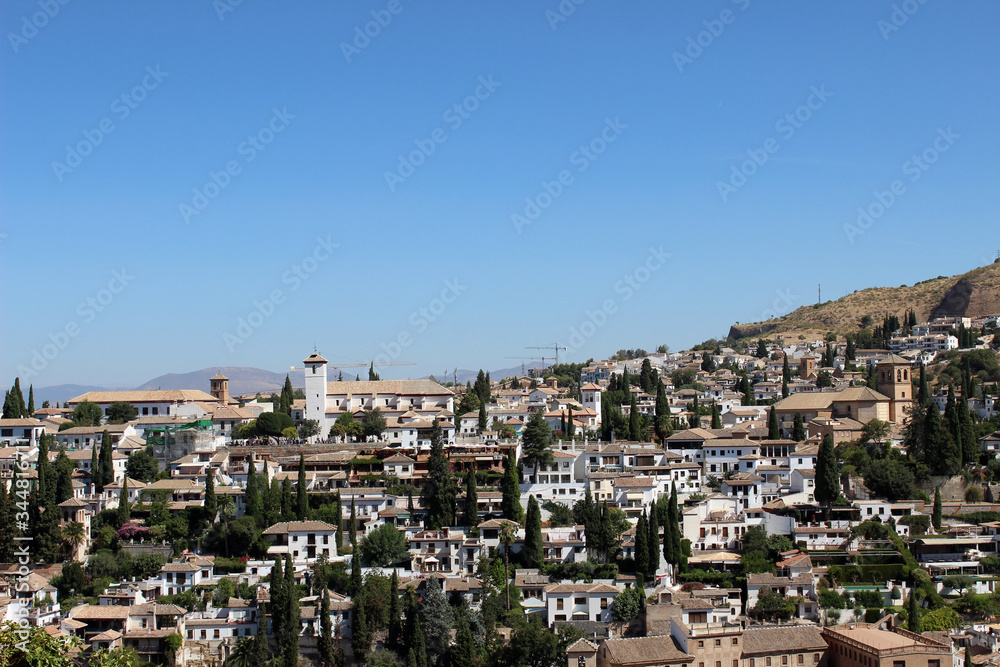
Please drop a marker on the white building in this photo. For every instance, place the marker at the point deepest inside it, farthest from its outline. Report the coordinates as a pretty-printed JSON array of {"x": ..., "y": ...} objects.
[
  {"x": 579, "y": 602},
  {"x": 303, "y": 540}
]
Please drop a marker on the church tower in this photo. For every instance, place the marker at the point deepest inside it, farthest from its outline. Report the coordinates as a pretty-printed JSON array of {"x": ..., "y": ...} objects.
[
  {"x": 316, "y": 391},
  {"x": 220, "y": 388},
  {"x": 894, "y": 381},
  {"x": 592, "y": 398}
]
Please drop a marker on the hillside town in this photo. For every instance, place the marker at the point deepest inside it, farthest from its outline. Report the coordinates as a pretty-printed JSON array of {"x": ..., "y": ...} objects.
[{"x": 771, "y": 502}]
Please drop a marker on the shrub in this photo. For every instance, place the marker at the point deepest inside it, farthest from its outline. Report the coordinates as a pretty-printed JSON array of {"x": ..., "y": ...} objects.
[{"x": 831, "y": 600}]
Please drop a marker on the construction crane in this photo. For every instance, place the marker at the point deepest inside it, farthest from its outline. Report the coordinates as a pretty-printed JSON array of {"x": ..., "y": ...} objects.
[
  {"x": 542, "y": 359},
  {"x": 370, "y": 364},
  {"x": 553, "y": 346}
]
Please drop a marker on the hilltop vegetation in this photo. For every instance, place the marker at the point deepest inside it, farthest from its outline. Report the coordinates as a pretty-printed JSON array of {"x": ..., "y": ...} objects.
[{"x": 971, "y": 294}]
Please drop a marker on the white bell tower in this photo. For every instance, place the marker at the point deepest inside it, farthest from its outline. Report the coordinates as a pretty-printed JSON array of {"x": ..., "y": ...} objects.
[
  {"x": 315, "y": 367},
  {"x": 592, "y": 398}
]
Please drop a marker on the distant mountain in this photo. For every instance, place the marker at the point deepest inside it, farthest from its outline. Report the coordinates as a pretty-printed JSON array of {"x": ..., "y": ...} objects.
[
  {"x": 464, "y": 375},
  {"x": 62, "y": 392},
  {"x": 242, "y": 380},
  {"x": 971, "y": 294}
]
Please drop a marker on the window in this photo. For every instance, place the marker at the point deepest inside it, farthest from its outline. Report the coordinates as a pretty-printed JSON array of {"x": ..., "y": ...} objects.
[
  {"x": 580, "y": 601},
  {"x": 216, "y": 634},
  {"x": 898, "y": 663},
  {"x": 801, "y": 659},
  {"x": 604, "y": 602},
  {"x": 815, "y": 658},
  {"x": 559, "y": 603},
  {"x": 718, "y": 642},
  {"x": 701, "y": 644},
  {"x": 736, "y": 640},
  {"x": 933, "y": 663},
  {"x": 768, "y": 661},
  {"x": 784, "y": 659}
]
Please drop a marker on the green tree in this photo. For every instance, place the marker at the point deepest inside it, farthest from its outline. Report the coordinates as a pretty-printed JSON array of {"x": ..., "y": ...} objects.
[
  {"x": 536, "y": 443},
  {"x": 716, "y": 416},
  {"x": 936, "y": 516},
  {"x": 633, "y": 421},
  {"x": 301, "y": 496},
  {"x": 827, "y": 479},
  {"x": 890, "y": 479},
  {"x": 913, "y": 613},
  {"x": 773, "y": 427},
  {"x": 533, "y": 545},
  {"x": 121, "y": 412},
  {"x": 483, "y": 420},
  {"x": 641, "y": 545},
  {"x": 87, "y": 413},
  {"x": 124, "y": 512},
  {"x": 271, "y": 424},
  {"x": 30, "y": 412},
  {"x": 211, "y": 502},
  {"x": 438, "y": 491},
  {"x": 107, "y": 461},
  {"x": 361, "y": 634},
  {"x": 761, "y": 349},
  {"x": 141, "y": 466},
  {"x": 252, "y": 491},
  {"x": 470, "y": 518},
  {"x": 437, "y": 616},
  {"x": 373, "y": 423},
  {"x": 96, "y": 478},
  {"x": 287, "y": 397},
  {"x": 384, "y": 546},
  {"x": 653, "y": 540},
  {"x": 798, "y": 428},
  {"x": 510, "y": 501},
  {"x": 627, "y": 605},
  {"x": 464, "y": 652},
  {"x": 395, "y": 639}
]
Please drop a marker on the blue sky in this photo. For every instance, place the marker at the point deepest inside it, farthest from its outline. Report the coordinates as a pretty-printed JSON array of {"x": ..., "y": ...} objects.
[{"x": 631, "y": 114}]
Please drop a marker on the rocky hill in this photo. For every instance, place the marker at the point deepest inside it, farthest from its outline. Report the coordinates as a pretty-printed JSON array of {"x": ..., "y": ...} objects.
[{"x": 971, "y": 294}]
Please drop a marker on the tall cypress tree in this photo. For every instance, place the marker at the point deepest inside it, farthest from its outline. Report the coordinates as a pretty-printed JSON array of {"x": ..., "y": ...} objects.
[
  {"x": 107, "y": 461},
  {"x": 654, "y": 539},
  {"x": 31, "y": 401},
  {"x": 286, "y": 500},
  {"x": 773, "y": 427},
  {"x": 533, "y": 546},
  {"x": 211, "y": 502},
  {"x": 290, "y": 646},
  {"x": 394, "y": 639},
  {"x": 352, "y": 529},
  {"x": 279, "y": 601},
  {"x": 570, "y": 426},
  {"x": 716, "y": 416},
  {"x": 662, "y": 412},
  {"x": 923, "y": 393},
  {"x": 936, "y": 516},
  {"x": 827, "y": 480},
  {"x": 913, "y": 613},
  {"x": 95, "y": 470},
  {"x": 675, "y": 519},
  {"x": 798, "y": 428},
  {"x": 641, "y": 545},
  {"x": 252, "y": 492},
  {"x": 327, "y": 654},
  {"x": 361, "y": 633},
  {"x": 510, "y": 501},
  {"x": 786, "y": 375},
  {"x": 438, "y": 491},
  {"x": 302, "y": 499},
  {"x": 287, "y": 397},
  {"x": 471, "y": 516},
  {"x": 124, "y": 512}
]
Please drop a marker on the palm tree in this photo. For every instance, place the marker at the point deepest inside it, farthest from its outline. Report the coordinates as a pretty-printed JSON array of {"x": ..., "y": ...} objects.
[
  {"x": 74, "y": 535},
  {"x": 507, "y": 536},
  {"x": 242, "y": 655}
]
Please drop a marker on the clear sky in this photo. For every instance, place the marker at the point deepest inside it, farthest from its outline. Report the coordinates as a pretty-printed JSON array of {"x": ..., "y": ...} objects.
[{"x": 189, "y": 184}]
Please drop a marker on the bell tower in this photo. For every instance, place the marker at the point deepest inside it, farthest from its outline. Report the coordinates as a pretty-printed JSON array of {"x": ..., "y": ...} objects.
[
  {"x": 220, "y": 388},
  {"x": 894, "y": 381}
]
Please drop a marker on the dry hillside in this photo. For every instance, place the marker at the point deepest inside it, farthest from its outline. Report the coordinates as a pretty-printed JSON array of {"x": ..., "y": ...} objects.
[{"x": 971, "y": 294}]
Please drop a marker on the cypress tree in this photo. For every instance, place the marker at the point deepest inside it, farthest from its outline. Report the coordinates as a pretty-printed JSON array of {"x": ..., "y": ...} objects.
[
  {"x": 923, "y": 393},
  {"x": 662, "y": 411},
  {"x": 510, "y": 502},
  {"x": 968, "y": 657},
  {"x": 570, "y": 426},
  {"x": 361, "y": 634},
  {"x": 798, "y": 428},
  {"x": 211, "y": 502},
  {"x": 694, "y": 419},
  {"x": 417, "y": 656},
  {"x": 352, "y": 528},
  {"x": 356, "y": 582},
  {"x": 641, "y": 545},
  {"x": 279, "y": 601},
  {"x": 31, "y": 401},
  {"x": 716, "y": 416},
  {"x": 46, "y": 489},
  {"x": 302, "y": 499},
  {"x": 287, "y": 397},
  {"x": 107, "y": 462},
  {"x": 773, "y": 427},
  {"x": 674, "y": 518},
  {"x": 286, "y": 500},
  {"x": 17, "y": 398},
  {"x": 290, "y": 647},
  {"x": 327, "y": 655},
  {"x": 533, "y": 546},
  {"x": 482, "y": 423},
  {"x": 786, "y": 375},
  {"x": 95, "y": 470},
  {"x": 471, "y": 516},
  {"x": 438, "y": 491},
  {"x": 913, "y": 613},
  {"x": 252, "y": 491},
  {"x": 936, "y": 516},
  {"x": 653, "y": 539},
  {"x": 827, "y": 480},
  {"x": 464, "y": 651},
  {"x": 394, "y": 639},
  {"x": 123, "y": 509}
]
